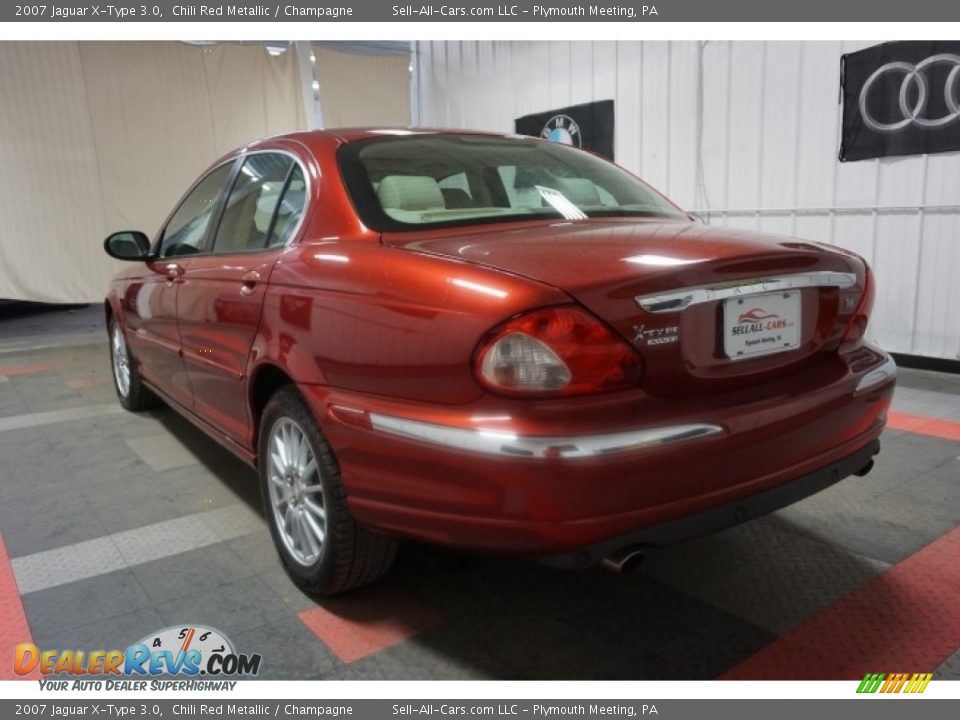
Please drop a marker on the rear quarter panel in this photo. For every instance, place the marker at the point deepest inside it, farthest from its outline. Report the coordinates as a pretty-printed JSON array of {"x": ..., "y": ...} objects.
[{"x": 366, "y": 318}]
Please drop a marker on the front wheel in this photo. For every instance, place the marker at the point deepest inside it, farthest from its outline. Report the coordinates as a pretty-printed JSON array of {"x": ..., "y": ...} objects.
[
  {"x": 322, "y": 547},
  {"x": 126, "y": 378}
]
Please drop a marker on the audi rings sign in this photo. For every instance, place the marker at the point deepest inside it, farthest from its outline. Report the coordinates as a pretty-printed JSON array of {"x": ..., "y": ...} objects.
[{"x": 901, "y": 98}]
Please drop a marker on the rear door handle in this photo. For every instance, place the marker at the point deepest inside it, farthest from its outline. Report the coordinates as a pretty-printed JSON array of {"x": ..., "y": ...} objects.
[{"x": 249, "y": 282}]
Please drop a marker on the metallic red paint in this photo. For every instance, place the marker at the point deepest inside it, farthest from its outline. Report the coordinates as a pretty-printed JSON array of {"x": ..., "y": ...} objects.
[{"x": 387, "y": 326}]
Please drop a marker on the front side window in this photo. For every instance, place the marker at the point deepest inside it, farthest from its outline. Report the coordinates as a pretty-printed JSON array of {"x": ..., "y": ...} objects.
[
  {"x": 248, "y": 213},
  {"x": 401, "y": 183},
  {"x": 186, "y": 232}
]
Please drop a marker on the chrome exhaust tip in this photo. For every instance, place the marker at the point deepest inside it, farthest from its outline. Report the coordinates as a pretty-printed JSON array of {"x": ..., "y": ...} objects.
[{"x": 624, "y": 561}]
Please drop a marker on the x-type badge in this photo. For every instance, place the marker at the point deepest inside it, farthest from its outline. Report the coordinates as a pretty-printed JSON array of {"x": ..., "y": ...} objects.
[{"x": 642, "y": 335}]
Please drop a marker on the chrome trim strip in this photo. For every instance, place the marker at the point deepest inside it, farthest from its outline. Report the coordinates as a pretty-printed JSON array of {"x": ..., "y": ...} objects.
[
  {"x": 508, "y": 444},
  {"x": 682, "y": 299},
  {"x": 877, "y": 376}
]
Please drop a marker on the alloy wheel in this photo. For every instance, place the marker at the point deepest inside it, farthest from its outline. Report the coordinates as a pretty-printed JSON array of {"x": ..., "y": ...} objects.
[
  {"x": 296, "y": 491},
  {"x": 121, "y": 360}
]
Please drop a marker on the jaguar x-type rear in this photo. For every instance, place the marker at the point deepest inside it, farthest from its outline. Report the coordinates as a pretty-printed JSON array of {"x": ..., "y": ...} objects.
[{"x": 495, "y": 343}]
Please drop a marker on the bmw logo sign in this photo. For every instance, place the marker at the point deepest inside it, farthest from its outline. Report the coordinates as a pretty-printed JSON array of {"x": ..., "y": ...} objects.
[{"x": 562, "y": 129}]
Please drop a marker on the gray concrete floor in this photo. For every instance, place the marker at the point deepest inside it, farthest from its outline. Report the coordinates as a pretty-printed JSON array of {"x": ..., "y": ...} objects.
[
  {"x": 119, "y": 524},
  {"x": 29, "y": 324}
]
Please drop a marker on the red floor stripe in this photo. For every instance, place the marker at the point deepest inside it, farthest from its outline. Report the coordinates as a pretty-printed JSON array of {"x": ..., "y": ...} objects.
[
  {"x": 361, "y": 626},
  {"x": 946, "y": 429},
  {"x": 11, "y": 370},
  {"x": 80, "y": 383},
  {"x": 14, "y": 628},
  {"x": 906, "y": 619}
]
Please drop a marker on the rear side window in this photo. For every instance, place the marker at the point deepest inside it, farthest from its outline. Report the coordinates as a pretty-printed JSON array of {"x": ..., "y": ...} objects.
[
  {"x": 249, "y": 211},
  {"x": 290, "y": 209},
  {"x": 186, "y": 232}
]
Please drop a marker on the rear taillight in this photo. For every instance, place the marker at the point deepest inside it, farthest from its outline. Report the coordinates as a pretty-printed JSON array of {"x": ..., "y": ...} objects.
[
  {"x": 857, "y": 324},
  {"x": 555, "y": 351}
]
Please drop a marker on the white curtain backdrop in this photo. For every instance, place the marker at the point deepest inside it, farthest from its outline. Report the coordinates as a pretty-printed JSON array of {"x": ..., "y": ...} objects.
[
  {"x": 361, "y": 89},
  {"x": 104, "y": 136}
]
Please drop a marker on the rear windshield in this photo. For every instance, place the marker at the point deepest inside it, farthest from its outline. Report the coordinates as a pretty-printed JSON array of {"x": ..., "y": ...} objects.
[{"x": 417, "y": 181}]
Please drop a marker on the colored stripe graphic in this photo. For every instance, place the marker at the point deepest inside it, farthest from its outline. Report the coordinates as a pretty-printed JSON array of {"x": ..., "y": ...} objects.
[
  {"x": 921, "y": 683},
  {"x": 908, "y": 616},
  {"x": 945, "y": 429},
  {"x": 14, "y": 628},
  {"x": 896, "y": 683},
  {"x": 870, "y": 683}
]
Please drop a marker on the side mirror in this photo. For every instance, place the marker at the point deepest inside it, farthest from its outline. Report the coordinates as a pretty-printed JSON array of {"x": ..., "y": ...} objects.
[{"x": 127, "y": 245}]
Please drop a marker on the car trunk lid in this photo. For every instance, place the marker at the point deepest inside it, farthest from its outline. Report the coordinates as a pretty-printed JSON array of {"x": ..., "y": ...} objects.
[{"x": 707, "y": 308}]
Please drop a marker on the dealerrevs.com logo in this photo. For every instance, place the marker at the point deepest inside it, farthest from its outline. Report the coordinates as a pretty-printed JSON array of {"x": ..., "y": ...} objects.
[{"x": 190, "y": 652}]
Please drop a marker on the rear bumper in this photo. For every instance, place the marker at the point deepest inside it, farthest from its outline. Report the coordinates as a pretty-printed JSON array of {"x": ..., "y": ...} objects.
[
  {"x": 723, "y": 516},
  {"x": 552, "y": 478}
]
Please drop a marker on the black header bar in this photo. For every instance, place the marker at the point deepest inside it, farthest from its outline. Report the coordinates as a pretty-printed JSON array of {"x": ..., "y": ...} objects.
[{"x": 509, "y": 11}]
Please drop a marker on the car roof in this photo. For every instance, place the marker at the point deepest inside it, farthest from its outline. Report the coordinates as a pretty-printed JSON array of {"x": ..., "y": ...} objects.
[
  {"x": 320, "y": 141},
  {"x": 353, "y": 134}
]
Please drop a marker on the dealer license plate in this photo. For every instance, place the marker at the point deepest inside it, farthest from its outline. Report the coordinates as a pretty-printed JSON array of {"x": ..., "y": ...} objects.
[{"x": 761, "y": 324}]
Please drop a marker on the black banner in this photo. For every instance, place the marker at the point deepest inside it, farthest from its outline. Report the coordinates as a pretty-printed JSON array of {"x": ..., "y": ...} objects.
[
  {"x": 901, "y": 98},
  {"x": 588, "y": 126}
]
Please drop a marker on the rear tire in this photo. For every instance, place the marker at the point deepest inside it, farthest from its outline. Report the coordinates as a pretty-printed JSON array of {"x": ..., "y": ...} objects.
[
  {"x": 131, "y": 392},
  {"x": 323, "y": 549}
]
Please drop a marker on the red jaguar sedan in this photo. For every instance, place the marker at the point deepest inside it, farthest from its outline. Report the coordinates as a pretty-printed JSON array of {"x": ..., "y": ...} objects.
[{"x": 494, "y": 343}]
